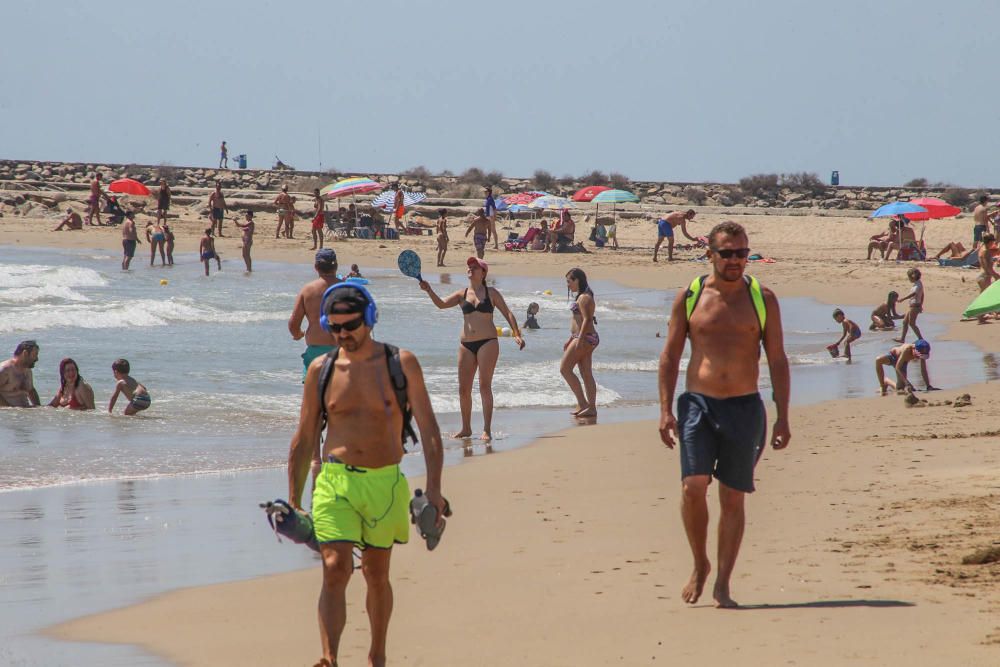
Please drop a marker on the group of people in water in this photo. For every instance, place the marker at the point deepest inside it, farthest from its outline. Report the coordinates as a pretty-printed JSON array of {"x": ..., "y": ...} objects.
[{"x": 17, "y": 384}]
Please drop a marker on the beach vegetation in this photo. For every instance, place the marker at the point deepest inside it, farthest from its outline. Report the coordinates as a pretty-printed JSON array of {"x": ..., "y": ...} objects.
[
  {"x": 916, "y": 183},
  {"x": 618, "y": 181},
  {"x": 804, "y": 182},
  {"x": 695, "y": 195},
  {"x": 493, "y": 178},
  {"x": 307, "y": 183},
  {"x": 473, "y": 175},
  {"x": 731, "y": 196},
  {"x": 567, "y": 180},
  {"x": 595, "y": 177},
  {"x": 543, "y": 180},
  {"x": 166, "y": 170},
  {"x": 759, "y": 185},
  {"x": 960, "y": 197},
  {"x": 419, "y": 173}
]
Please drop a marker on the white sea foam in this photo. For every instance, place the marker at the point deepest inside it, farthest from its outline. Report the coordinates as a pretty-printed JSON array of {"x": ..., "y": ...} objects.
[
  {"x": 44, "y": 293},
  {"x": 42, "y": 276}
]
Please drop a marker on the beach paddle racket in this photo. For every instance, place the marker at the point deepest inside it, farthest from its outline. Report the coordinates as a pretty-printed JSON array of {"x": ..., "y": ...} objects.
[{"x": 409, "y": 264}]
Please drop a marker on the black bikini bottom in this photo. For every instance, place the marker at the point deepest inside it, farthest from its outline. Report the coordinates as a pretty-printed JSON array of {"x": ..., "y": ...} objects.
[{"x": 474, "y": 345}]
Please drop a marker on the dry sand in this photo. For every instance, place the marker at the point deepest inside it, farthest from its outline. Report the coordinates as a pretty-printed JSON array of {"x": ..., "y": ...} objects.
[{"x": 853, "y": 548}]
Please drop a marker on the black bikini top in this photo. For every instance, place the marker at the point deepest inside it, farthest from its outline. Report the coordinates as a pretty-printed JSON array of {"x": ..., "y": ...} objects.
[{"x": 484, "y": 306}]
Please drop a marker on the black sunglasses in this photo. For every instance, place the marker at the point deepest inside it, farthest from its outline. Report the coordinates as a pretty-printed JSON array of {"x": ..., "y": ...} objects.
[
  {"x": 729, "y": 253},
  {"x": 347, "y": 326}
]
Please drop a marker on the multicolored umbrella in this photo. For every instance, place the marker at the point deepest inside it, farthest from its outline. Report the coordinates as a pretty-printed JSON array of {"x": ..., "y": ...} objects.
[
  {"x": 385, "y": 200},
  {"x": 128, "y": 186},
  {"x": 936, "y": 209},
  {"x": 357, "y": 185},
  {"x": 988, "y": 301},
  {"x": 552, "y": 203},
  {"x": 897, "y": 208},
  {"x": 523, "y": 198},
  {"x": 588, "y": 193}
]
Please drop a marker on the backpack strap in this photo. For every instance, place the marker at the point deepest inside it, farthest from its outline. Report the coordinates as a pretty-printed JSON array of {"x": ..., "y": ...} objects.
[
  {"x": 693, "y": 294},
  {"x": 396, "y": 375},
  {"x": 753, "y": 289}
]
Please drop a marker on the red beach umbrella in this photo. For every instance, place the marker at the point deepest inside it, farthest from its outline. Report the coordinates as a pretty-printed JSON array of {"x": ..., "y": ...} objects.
[
  {"x": 522, "y": 198},
  {"x": 936, "y": 209},
  {"x": 589, "y": 192},
  {"x": 129, "y": 186}
]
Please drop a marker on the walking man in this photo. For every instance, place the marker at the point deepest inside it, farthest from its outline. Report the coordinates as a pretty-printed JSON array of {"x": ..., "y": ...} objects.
[
  {"x": 490, "y": 207},
  {"x": 217, "y": 204},
  {"x": 130, "y": 239},
  {"x": 665, "y": 230},
  {"x": 223, "y": 156},
  {"x": 361, "y": 496},
  {"x": 307, "y": 304},
  {"x": 720, "y": 420}
]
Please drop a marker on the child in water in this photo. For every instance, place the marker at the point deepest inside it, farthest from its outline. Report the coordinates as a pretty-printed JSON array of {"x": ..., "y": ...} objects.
[
  {"x": 355, "y": 272},
  {"x": 531, "y": 322},
  {"x": 851, "y": 333},
  {"x": 883, "y": 316},
  {"x": 136, "y": 393}
]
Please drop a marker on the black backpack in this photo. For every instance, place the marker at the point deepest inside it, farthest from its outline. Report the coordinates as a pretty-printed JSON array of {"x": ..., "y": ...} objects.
[{"x": 396, "y": 375}]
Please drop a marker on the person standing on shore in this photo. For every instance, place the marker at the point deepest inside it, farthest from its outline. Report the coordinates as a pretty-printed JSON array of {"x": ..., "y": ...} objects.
[
  {"x": 480, "y": 225},
  {"x": 398, "y": 208},
  {"x": 169, "y": 234},
  {"x": 665, "y": 230},
  {"x": 206, "y": 249},
  {"x": 479, "y": 347},
  {"x": 490, "y": 208},
  {"x": 94, "y": 202},
  {"x": 442, "y": 235},
  {"x": 247, "y": 229},
  {"x": 980, "y": 217},
  {"x": 307, "y": 306},
  {"x": 286, "y": 212},
  {"x": 130, "y": 239},
  {"x": 916, "y": 299},
  {"x": 319, "y": 220},
  {"x": 578, "y": 351},
  {"x": 217, "y": 204},
  {"x": 163, "y": 196},
  {"x": 361, "y": 496},
  {"x": 223, "y": 156},
  {"x": 156, "y": 238},
  {"x": 721, "y": 422},
  {"x": 17, "y": 384}
]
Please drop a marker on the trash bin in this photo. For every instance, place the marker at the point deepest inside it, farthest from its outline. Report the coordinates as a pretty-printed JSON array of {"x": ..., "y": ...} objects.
[
  {"x": 834, "y": 177},
  {"x": 242, "y": 160}
]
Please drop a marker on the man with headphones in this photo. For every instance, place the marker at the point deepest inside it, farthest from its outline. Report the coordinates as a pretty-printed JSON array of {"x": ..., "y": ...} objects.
[
  {"x": 307, "y": 306},
  {"x": 361, "y": 498}
]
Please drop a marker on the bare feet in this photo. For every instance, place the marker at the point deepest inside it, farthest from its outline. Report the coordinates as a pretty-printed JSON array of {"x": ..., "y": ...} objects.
[
  {"x": 692, "y": 591},
  {"x": 589, "y": 412},
  {"x": 486, "y": 436},
  {"x": 721, "y": 595},
  {"x": 464, "y": 433},
  {"x": 578, "y": 411}
]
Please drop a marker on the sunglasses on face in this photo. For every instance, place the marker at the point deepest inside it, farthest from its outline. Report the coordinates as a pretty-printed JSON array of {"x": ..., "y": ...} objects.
[
  {"x": 729, "y": 253},
  {"x": 347, "y": 326}
]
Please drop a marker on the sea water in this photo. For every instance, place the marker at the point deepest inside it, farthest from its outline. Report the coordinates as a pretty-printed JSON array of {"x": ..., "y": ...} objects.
[{"x": 99, "y": 510}]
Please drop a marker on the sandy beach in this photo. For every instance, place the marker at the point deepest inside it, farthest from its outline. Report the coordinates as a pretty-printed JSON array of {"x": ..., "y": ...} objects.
[{"x": 571, "y": 551}]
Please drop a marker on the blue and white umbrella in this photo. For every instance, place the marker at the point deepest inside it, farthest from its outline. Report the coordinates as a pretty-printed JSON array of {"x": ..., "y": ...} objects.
[
  {"x": 552, "y": 202},
  {"x": 384, "y": 201},
  {"x": 897, "y": 208}
]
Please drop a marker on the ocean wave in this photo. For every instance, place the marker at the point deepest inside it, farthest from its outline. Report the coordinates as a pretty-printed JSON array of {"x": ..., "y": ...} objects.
[
  {"x": 647, "y": 366},
  {"x": 44, "y": 276},
  {"x": 138, "y": 313},
  {"x": 43, "y": 293},
  {"x": 549, "y": 398}
]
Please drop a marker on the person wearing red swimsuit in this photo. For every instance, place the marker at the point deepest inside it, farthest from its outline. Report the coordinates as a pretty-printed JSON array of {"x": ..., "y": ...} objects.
[{"x": 73, "y": 393}]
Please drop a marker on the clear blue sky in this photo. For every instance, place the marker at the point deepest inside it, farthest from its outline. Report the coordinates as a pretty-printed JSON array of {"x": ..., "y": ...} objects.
[{"x": 882, "y": 90}]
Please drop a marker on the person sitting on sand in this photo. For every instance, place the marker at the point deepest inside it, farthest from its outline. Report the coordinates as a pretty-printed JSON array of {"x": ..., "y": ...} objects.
[
  {"x": 562, "y": 232},
  {"x": 883, "y": 316},
  {"x": 955, "y": 250},
  {"x": 531, "y": 322},
  {"x": 541, "y": 241},
  {"x": 72, "y": 221},
  {"x": 137, "y": 394},
  {"x": 206, "y": 249},
  {"x": 481, "y": 226},
  {"x": 883, "y": 241},
  {"x": 916, "y": 299},
  {"x": 851, "y": 332},
  {"x": 73, "y": 393},
  {"x": 899, "y": 358}
]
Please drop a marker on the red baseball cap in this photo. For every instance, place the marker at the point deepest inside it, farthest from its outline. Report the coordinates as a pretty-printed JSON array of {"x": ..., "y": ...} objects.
[{"x": 481, "y": 263}]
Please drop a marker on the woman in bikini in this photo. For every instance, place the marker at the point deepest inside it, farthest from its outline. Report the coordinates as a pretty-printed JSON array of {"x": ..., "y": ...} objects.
[
  {"x": 579, "y": 349},
  {"x": 478, "y": 348},
  {"x": 73, "y": 393},
  {"x": 157, "y": 238}
]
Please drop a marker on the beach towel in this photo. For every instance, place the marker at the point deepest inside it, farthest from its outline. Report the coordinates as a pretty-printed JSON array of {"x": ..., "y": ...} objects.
[{"x": 970, "y": 260}]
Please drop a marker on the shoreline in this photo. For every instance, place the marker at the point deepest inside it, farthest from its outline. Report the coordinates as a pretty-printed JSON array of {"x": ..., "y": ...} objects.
[{"x": 842, "y": 290}]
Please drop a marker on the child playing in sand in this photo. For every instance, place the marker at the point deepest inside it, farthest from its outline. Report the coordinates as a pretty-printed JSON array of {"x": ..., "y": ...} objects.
[
  {"x": 916, "y": 298},
  {"x": 531, "y": 322},
  {"x": 851, "y": 333},
  {"x": 136, "y": 393},
  {"x": 883, "y": 316},
  {"x": 207, "y": 250},
  {"x": 899, "y": 358}
]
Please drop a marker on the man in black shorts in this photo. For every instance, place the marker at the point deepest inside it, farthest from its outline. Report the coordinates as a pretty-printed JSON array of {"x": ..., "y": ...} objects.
[{"x": 720, "y": 417}]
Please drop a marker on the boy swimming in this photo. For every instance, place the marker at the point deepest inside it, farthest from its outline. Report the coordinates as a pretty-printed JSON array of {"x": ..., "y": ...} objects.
[{"x": 137, "y": 394}]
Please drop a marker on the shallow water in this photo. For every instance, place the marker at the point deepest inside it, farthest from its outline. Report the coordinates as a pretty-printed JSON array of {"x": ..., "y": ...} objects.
[{"x": 225, "y": 379}]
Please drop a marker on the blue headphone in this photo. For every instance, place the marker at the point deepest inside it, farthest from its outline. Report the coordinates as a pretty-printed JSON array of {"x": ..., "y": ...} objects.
[{"x": 371, "y": 311}]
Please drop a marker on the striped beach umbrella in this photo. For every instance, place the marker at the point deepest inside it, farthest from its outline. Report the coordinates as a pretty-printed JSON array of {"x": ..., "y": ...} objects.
[
  {"x": 614, "y": 197},
  {"x": 552, "y": 203},
  {"x": 357, "y": 185},
  {"x": 588, "y": 193},
  {"x": 384, "y": 201}
]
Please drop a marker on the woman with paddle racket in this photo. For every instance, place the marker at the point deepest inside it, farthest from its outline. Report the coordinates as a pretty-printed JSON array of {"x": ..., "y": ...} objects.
[{"x": 479, "y": 347}]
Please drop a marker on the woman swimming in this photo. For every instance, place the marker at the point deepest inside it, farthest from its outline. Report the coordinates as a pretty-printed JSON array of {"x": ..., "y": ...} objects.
[
  {"x": 73, "y": 393},
  {"x": 579, "y": 349},
  {"x": 478, "y": 347}
]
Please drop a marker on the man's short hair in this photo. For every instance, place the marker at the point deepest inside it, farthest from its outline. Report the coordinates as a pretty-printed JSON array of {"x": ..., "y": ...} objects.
[
  {"x": 727, "y": 228},
  {"x": 984, "y": 199},
  {"x": 346, "y": 300},
  {"x": 988, "y": 238},
  {"x": 25, "y": 346},
  {"x": 326, "y": 260},
  {"x": 121, "y": 366}
]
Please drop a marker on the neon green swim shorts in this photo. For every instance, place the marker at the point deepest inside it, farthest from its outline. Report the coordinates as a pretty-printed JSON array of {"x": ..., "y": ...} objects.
[
  {"x": 312, "y": 351},
  {"x": 366, "y": 506}
]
